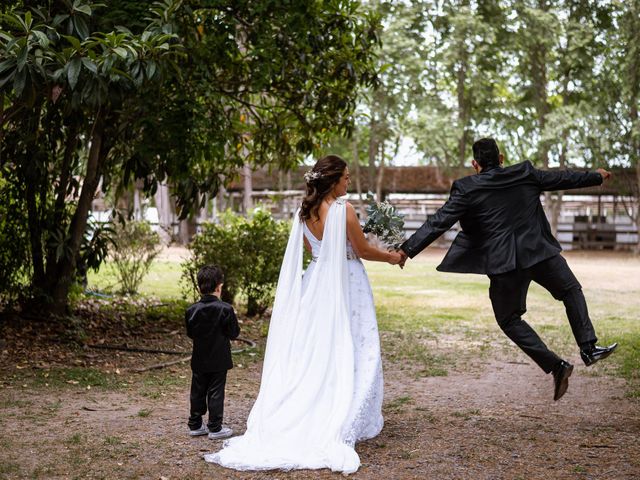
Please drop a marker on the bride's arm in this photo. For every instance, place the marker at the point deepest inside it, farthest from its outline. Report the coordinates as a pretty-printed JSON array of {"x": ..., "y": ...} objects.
[
  {"x": 307, "y": 245},
  {"x": 361, "y": 247}
]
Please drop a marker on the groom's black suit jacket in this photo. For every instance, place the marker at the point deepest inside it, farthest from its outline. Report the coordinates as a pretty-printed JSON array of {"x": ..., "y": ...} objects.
[{"x": 503, "y": 223}]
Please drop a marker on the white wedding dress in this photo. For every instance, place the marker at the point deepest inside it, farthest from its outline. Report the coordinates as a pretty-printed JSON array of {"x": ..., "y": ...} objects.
[{"x": 321, "y": 388}]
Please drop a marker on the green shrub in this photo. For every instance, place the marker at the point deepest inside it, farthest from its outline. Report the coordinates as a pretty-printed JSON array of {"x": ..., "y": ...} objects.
[
  {"x": 136, "y": 245},
  {"x": 249, "y": 251}
]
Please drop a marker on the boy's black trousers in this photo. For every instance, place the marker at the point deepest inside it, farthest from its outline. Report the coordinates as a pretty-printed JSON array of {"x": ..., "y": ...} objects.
[{"x": 207, "y": 390}]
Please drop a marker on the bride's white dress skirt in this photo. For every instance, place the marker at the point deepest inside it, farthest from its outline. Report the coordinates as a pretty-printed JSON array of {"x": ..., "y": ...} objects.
[{"x": 322, "y": 384}]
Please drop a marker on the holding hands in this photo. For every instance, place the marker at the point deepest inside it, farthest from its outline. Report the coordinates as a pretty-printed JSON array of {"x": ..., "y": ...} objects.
[{"x": 394, "y": 258}]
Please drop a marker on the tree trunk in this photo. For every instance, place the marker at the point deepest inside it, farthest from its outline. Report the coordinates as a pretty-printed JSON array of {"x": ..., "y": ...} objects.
[
  {"x": 65, "y": 268},
  {"x": 373, "y": 152},
  {"x": 356, "y": 173},
  {"x": 637, "y": 249},
  {"x": 380, "y": 176},
  {"x": 247, "y": 200},
  {"x": 33, "y": 217},
  {"x": 137, "y": 203},
  {"x": 538, "y": 58},
  {"x": 463, "y": 107},
  {"x": 556, "y": 206},
  {"x": 163, "y": 205}
]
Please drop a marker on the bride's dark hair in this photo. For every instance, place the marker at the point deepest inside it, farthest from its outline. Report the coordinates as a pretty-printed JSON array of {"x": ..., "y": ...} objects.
[{"x": 320, "y": 180}]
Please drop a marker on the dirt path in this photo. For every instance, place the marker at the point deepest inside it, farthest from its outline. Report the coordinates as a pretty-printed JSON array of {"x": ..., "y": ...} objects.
[
  {"x": 498, "y": 423},
  {"x": 491, "y": 418}
]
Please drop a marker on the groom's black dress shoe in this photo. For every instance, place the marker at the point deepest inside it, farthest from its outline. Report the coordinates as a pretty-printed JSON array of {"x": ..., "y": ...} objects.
[
  {"x": 594, "y": 353},
  {"x": 561, "y": 376}
]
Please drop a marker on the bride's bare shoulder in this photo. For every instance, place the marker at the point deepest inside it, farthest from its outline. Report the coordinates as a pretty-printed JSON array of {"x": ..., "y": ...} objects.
[{"x": 352, "y": 216}]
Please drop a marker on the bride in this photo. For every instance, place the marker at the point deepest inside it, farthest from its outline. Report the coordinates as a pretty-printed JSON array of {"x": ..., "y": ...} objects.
[{"x": 321, "y": 388}]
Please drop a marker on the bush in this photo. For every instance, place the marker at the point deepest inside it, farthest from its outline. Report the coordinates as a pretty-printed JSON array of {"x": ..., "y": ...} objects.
[
  {"x": 136, "y": 245},
  {"x": 249, "y": 251}
]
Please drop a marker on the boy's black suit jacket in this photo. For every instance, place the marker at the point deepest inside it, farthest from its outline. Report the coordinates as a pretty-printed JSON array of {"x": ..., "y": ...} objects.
[
  {"x": 503, "y": 223},
  {"x": 211, "y": 323}
]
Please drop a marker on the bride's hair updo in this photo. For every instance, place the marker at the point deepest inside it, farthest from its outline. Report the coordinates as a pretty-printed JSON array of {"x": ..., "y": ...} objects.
[{"x": 320, "y": 180}]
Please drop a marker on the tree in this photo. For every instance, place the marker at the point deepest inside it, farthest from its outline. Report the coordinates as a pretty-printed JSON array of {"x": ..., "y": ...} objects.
[
  {"x": 66, "y": 86},
  {"x": 384, "y": 107},
  {"x": 262, "y": 84},
  {"x": 462, "y": 83},
  {"x": 178, "y": 97},
  {"x": 615, "y": 135}
]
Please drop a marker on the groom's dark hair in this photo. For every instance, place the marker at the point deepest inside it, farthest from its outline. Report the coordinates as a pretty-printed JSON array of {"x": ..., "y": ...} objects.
[
  {"x": 209, "y": 277},
  {"x": 486, "y": 153}
]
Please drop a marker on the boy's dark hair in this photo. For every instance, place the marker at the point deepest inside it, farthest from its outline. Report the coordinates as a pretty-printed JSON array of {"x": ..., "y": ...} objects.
[
  {"x": 209, "y": 277},
  {"x": 486, "y": 153}
]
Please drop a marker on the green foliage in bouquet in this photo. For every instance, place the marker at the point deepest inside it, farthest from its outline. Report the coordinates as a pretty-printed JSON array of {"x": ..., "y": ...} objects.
[{"x": 385, "y": 223}]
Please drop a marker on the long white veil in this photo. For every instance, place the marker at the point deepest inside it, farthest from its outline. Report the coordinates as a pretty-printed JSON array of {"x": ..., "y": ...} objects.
[{"x": 308, "y": 373}]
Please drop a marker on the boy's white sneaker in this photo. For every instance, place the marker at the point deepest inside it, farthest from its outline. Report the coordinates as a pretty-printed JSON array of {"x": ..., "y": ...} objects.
[
  {"x": 225, "y": 432},
  {"x": 203, "y": 430}
]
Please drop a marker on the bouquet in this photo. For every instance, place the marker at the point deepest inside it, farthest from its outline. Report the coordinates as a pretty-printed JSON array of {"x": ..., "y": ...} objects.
[{"x": 385, "y": 223}]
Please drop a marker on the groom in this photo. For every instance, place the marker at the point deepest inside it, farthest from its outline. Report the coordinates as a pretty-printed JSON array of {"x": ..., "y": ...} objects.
[{"x": 506, "y": 236}]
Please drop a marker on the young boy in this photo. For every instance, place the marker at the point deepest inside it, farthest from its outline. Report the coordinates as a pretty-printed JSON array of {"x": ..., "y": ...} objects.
[{"x": 211, "y": 323}]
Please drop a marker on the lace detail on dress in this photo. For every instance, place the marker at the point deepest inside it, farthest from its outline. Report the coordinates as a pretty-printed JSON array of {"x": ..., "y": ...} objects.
[
  {"x": 365, "y": 416},
  {"x": 365, "y": 420}
]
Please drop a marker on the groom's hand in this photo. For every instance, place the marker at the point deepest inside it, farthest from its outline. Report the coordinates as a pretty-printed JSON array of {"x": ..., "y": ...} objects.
[
  {"x": 404, "y": 257},
  {"x": 605, "y": 175}
]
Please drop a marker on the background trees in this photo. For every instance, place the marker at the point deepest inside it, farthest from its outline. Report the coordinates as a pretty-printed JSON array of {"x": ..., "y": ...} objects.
[
  {"x": 186, "y": 93},
  {"x": 555, "y": 82}
]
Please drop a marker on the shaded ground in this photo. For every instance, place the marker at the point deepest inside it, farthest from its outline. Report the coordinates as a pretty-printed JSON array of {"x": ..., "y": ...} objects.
[{"x": 78, "y": 412}]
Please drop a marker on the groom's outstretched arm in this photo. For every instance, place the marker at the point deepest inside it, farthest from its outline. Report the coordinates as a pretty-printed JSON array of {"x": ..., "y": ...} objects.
[
  {"x": 569, "y": 179},
  {"x": 439, "y": 223}
]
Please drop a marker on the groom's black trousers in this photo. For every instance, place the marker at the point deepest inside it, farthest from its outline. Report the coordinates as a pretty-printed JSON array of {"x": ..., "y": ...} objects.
[
  {"x": 508, "y": 292},
  {"x": 207, "y": 392}
]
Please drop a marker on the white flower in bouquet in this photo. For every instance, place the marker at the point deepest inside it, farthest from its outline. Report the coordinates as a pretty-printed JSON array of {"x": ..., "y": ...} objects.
[{"x": 385, "y": 223}]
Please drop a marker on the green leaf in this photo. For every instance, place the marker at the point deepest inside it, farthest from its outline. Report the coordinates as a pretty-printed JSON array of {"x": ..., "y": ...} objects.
[
  {"x": 75, "y": 43},
  {"x": 6, "y": 79},
  {"x": 58, "y": 19},
  {"x": 81, "y": 27},
  {"x": 19, "y": 81},
  {"x": 122, "y": 52},
  {"x": 86, "y": 9},
  {"x": 151, "y": 69},
  {"x": 28, "y": 20},
  {"x": 73, "y": 72},
  {"x": 22, "y": 57},
  {"x": 7, "y": 64},
  {"x": 42, "y": 38},
  {"x": 121, "y": 72},
  {"x": 89, "y": 65}
]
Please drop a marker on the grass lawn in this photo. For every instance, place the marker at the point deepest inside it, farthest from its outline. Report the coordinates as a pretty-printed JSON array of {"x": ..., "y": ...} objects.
[
  {"x": 460, "y": 400},
  {"x": 420, "y": 309}
]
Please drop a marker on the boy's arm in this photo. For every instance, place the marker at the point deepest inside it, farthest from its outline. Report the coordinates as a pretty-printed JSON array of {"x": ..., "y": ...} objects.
[
  {"x": 230, "y": 324},
  {"x": 187, "y": 316}
]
